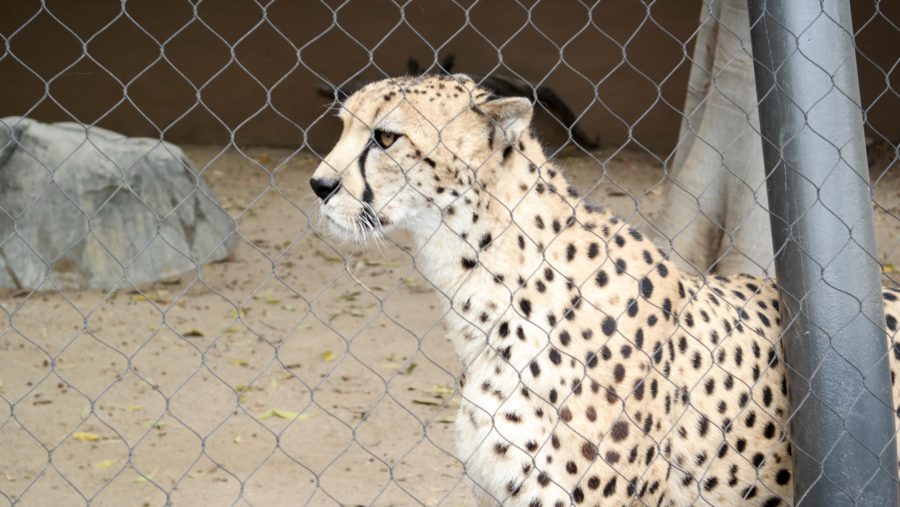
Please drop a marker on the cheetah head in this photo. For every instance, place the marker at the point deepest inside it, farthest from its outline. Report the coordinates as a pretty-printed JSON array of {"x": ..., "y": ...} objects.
[{"x": 410, "y": 148}]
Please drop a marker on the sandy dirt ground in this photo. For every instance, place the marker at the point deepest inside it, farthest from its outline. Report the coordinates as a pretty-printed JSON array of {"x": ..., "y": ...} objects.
[{"x": 296, "y": 372}]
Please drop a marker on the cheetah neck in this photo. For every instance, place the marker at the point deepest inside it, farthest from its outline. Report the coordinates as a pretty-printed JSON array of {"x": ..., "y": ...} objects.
[
  {"x": 484, "y": 235},
  {"x": 480, "y": 258}
]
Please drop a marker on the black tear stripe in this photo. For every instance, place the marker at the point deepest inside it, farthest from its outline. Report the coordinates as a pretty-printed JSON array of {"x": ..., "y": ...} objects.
[
  {"x": 368, "y": 196},
  {"x": 367, "y": 215}
]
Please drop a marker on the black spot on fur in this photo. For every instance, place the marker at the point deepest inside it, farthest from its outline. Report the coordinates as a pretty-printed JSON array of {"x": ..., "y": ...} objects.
[
  {"x": 609, "y": 326},
  {"x": 662, "y": 270},
  {"x": 783, "y": 477},
  {"x": 767, "y": 396},
  {"x": 610, "y": 488},
  {"x": 543, "y": 479},
  {"x": 646, "y": 287},
  {"x": 589, "y": 451},
  {"x": 632, "y": 307},
  {"x": 578, "y": 495},
  {"x": 749, "y": 492},
  {"x": 525, "y": 306},
  {"x": 619, "y": 431},
  {"x": 555, "y": 357},
  {"x": 758, "y": 459},
  {"x": 703, "y": 426}
]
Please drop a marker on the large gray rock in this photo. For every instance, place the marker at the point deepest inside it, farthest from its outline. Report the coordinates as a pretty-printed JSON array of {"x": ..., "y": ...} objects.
[{"x": 95, "y": 209}]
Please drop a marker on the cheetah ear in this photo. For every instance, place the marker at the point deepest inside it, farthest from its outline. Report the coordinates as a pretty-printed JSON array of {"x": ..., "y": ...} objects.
[{"x": 509, "y": 115}]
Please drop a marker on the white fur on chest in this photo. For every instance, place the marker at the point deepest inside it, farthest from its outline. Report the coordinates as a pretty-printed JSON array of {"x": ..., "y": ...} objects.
[{"x": 502, "y": 404}]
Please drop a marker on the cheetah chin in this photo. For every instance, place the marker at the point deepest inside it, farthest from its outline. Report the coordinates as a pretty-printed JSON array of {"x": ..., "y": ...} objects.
[{"x": 594, "y": 371}]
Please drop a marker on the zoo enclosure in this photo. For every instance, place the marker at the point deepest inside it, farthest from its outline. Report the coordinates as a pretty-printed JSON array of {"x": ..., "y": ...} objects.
[{"x": 56, "y": 55}]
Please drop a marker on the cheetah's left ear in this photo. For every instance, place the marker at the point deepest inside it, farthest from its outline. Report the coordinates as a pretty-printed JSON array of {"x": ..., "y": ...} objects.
[{"x": 510, "y": 115}]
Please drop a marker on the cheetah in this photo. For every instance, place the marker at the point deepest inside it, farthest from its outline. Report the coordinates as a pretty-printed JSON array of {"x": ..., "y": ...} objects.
[{"x": 594, "y": 372}]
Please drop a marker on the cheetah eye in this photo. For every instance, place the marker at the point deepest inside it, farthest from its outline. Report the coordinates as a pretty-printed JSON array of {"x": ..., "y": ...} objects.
[{"x": 385, "y": 139}]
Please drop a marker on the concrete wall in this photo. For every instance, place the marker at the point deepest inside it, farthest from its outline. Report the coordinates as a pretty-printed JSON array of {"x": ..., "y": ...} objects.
[{"x": 637, "y": 65}]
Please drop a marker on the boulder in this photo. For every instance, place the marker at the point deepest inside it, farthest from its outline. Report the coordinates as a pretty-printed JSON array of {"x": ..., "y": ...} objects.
[{"x": 90, "y": 208}]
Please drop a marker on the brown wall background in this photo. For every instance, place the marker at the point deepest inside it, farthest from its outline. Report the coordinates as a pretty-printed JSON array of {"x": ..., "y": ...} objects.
[{"x": 623, "y": 64}]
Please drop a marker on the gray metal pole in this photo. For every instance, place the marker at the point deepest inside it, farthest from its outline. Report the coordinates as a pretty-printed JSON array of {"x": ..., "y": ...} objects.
[{"x": 839, "y": 385}]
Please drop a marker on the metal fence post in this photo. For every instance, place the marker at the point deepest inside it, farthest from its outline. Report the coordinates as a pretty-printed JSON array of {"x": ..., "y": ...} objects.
[{"x": 841, "y": 426}]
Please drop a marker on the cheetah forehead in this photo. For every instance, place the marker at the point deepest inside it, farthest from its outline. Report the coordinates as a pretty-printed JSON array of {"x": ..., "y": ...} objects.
[{"x": 434, "y": 97}]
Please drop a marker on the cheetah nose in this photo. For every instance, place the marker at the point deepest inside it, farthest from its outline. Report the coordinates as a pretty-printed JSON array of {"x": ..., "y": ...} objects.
[{"x": 324, "y": 187}]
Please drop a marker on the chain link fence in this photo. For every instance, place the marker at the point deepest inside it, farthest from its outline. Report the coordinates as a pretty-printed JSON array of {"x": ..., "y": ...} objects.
[{"x": 177, "y": 330}]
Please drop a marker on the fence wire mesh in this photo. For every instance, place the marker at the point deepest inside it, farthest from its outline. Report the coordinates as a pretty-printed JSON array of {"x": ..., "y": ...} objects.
[{"x": 178, "y": 329}]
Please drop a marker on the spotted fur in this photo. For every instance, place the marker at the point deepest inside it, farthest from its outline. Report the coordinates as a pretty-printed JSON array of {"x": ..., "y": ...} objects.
[{"x": 595, "y": 372}]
